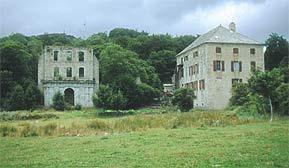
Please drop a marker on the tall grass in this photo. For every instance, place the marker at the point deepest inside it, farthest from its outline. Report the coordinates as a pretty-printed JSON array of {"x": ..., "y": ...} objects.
[{"x": 138, "y": 122}]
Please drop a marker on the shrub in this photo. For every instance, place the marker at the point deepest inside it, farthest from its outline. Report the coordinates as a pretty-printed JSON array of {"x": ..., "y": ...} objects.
[
  {"x": 77, "y": 107},
  {"x": 58, "y": 101},
  {"x": 146, "y": 94},
  {"x": 240, "y": 94},
  {"x": 106, "y": 98},
  {"x": 184, "y": 99}
]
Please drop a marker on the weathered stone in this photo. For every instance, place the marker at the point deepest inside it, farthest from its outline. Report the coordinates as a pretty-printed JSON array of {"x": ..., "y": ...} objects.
[
  {"x": 196, "y": 65},
  {"x": 84, "y": 78}
]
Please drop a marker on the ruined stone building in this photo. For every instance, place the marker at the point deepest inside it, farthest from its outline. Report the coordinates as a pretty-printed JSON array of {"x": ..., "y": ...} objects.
[
  {"x": 214, "y": 62},
  {"x": 72, "y": 71}
]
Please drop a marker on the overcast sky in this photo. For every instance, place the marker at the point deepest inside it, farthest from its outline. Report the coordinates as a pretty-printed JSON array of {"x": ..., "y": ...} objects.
[{"x": 81, "y": 18}]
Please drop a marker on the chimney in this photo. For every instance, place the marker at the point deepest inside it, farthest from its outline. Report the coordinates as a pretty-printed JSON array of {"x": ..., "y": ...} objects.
[{"x": 232, "y": 27}]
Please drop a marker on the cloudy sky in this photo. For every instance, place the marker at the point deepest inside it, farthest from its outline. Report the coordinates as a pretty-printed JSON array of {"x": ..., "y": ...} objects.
[{"x": 81, "y": 18}]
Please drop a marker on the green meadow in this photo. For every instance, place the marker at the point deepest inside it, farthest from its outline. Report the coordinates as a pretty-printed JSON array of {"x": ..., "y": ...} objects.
[{"x": 148, "y": 138}]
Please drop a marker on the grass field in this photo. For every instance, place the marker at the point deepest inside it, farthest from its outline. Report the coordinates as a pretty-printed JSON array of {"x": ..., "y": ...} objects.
[{"x": 193, "y": 141}]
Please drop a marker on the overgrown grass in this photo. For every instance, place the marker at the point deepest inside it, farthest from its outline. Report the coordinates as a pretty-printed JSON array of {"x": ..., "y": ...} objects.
[
  {"x": 86, "y": 122},
  {"x": 249, "y": 145}
]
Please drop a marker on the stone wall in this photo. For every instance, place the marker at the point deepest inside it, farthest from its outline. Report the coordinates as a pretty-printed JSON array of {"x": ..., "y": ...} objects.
[
  {"x": 217, "y": 84},
  {"x": 83, "y": 87}
]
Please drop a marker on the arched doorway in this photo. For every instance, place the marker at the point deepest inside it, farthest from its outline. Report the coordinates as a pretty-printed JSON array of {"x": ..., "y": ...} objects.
[{"x": 69, "y": 96}]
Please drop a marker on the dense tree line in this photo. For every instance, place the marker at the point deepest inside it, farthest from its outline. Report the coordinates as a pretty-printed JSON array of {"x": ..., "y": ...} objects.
[{"x": 125, "y": 56}]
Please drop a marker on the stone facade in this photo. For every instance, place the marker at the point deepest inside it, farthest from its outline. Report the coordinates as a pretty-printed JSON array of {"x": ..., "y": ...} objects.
[
  {"x": 216, "y": 60},
  {"x": 72, "y": 71}
]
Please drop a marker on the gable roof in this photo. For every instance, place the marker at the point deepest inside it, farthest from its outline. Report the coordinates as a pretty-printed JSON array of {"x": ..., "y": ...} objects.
[{"x": 220, "y": 34}]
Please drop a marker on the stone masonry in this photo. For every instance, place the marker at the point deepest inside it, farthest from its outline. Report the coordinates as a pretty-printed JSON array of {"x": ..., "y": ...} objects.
[
  {"x": 214, "y": 62},
  {"x": 72, "y": 71}
]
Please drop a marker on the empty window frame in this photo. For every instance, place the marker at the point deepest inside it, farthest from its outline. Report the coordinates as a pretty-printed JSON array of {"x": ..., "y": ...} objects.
[
  {"x": 235, "y": 50},
  {"x": 186, "y": 58},
  {"x": 219, "y": 65},
  {"x": 218, "y": 50},
  {"x": 236, "y": 66},
  {"x": 253, "y": 66},
  {"x": 69, "y": 55},
  {"x": 195, "y": 85},
  {"x": 252, "y": 51},
  {"x": 55, "y": 55},
  {"x": 81, "y": 72},
  {"x": 68, "y": 72},
  {"x": 56, "y": 72},
  {"x": 80, "y": 56}
]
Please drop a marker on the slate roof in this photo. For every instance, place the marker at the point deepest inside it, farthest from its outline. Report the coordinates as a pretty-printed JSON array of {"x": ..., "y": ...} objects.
[{"x": 220, "y": 34}]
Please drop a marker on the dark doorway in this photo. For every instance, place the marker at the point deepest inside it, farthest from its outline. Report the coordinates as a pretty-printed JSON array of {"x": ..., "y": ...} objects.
[{"x": 69, "y": 96}]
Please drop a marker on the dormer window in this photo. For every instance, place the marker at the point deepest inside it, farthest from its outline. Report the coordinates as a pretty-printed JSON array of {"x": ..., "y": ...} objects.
[
  {"x": 218, "y": 50},
  {"x": 235, "y": 50},
  {"x": 81, "y": 56}
]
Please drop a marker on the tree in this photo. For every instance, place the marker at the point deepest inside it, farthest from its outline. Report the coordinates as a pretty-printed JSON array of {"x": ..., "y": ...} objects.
[
  {"x": 58, "y": 101},
  {"x": 276, "y": 53},
  {"x": 15, "y": 99},
  {"x": 283, "y": 98},
  {"x": 164, "y": 62},
  {"x": 240, "y": 94},
  {"x": 106, "y": 98},
  {"x": 121, "y": 68},
  {"x": 264, "y": 84},
  {"x": 184, "y": 98}
]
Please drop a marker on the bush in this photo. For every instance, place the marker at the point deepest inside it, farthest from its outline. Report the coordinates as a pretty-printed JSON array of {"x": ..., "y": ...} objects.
[
  {"x": 240, "y": 94},
  {"x": 106, "y": 98},
  {"x": 58, "y": 101},
  {"x": 77, "y": 107},
  {"x": 184, "y": 99},
  {"x": 145, "y": 94}
]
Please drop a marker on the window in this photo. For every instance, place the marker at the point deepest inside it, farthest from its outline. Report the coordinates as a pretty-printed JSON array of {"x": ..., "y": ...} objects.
[
  {"x": 236, "y": 80},
  {"x": 218, "y": 50},
  {"x": 69, "y": 72},
  {"x": 253, "y": 65},
  {"x": 252, "y": 51},
  {"x": 196, "y": 68},
  {"x": 219, "y": 65},
  {"x": 195, "y": 85},
  {"x": 55, "y": 55},
  {"x": 56, "y": 71},
  {"x": 69, "y": 56},
  {"x": 182, "y": 60},
  {"x": 186, "y": 58},
  {"x": 81, "y": 56},
  {"x": 195, "y": 54},
  {"x": 202, "y": 84},
  {"x": 235, "y": 50},
  {"x": 81, "y": 72},
  {"x": 236, "y": 66}
]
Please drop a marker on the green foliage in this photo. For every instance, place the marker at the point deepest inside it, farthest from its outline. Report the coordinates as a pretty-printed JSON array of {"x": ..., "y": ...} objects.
[
  {"x": 184, "y": 98},
  {"x": 58, "y": 101},
  {"x": 78, "y": 107},
  {"x": 276, "y": 54},
  {"x": 240, "y": 94},
  {"x": 106, "y": 98},
  {"x": 164, "y": 61},
  {"x": 15, "y": 99},
  {"x": 283, "y": 98}
]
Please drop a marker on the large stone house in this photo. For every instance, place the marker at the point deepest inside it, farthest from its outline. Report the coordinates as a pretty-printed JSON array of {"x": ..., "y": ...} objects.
[
  {"x": 214, "y": 62},
  {"x": 72, "y": 71}
]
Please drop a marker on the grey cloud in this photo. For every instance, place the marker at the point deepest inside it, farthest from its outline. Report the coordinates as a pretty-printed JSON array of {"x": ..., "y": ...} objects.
[{"x": 82, "y": 18}]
